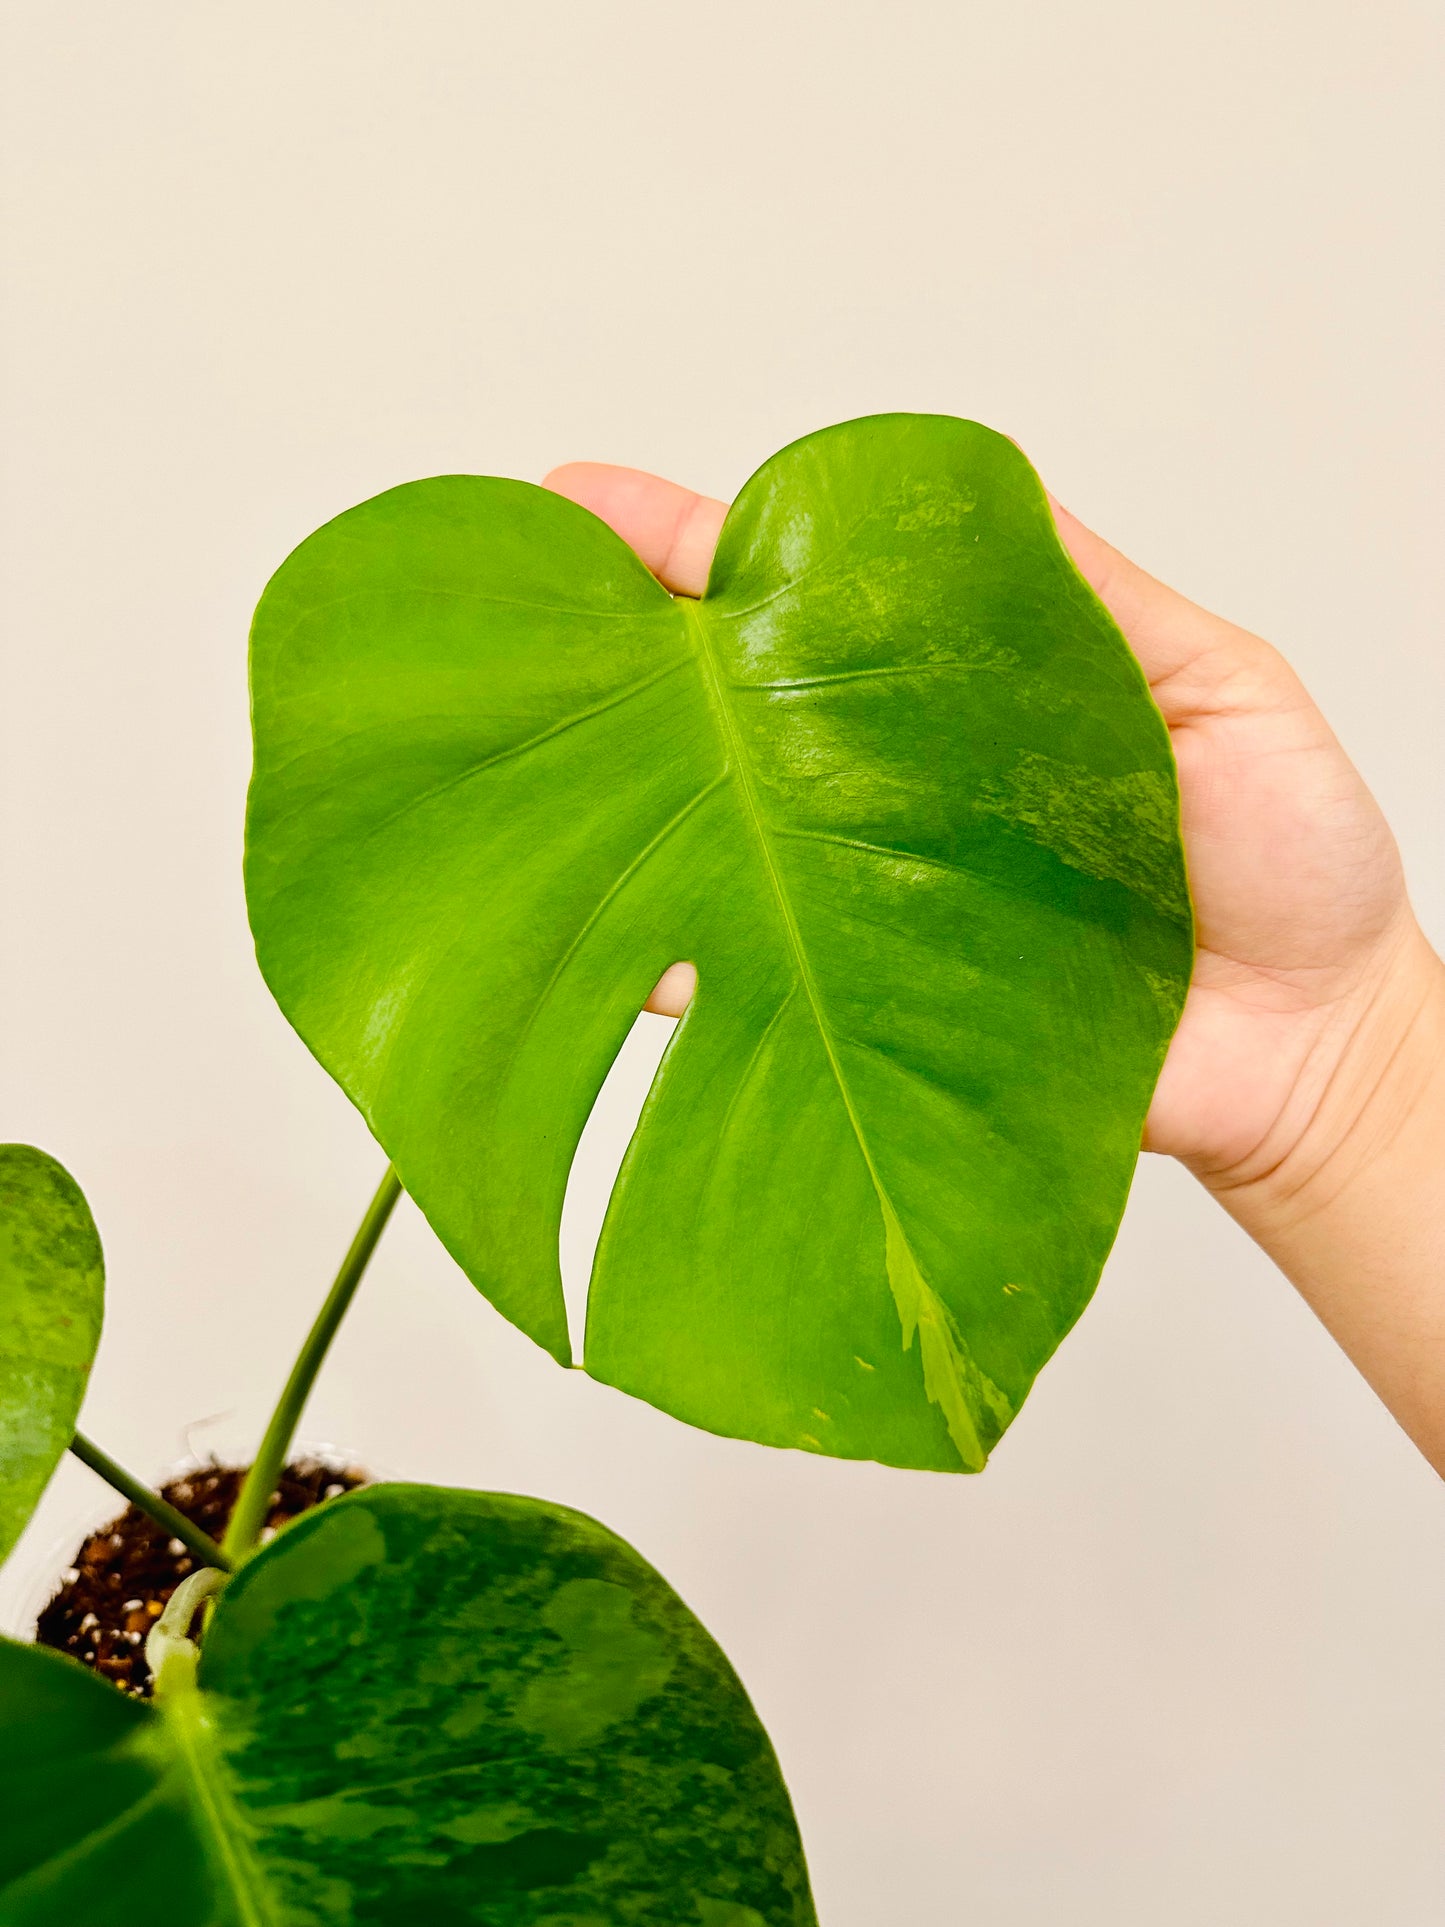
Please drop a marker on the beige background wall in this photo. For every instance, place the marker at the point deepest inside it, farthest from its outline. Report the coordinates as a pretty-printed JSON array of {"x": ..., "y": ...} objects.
[{"x": 1176, "y": 1660}]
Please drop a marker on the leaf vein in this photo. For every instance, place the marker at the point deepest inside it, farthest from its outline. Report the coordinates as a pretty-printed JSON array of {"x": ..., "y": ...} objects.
[
  {"x": 786, "y": 588},
  {"x": 887, "y": 850},
  {"x": 81, "y": 1849},
  {"x": 520, "y": 749},
  {"x": 861, "y": 675}
]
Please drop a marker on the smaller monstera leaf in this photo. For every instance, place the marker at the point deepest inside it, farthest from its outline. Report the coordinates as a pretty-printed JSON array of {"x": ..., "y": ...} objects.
[
  {"x": 897, "y": 787},
  {"x": 414, "y": 1705},
  {"x": 52, "y": 1294}
]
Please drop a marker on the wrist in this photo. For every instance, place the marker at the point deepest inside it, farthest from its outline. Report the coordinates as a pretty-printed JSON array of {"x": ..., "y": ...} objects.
[
  {"x": 1354, "y": 1211},
  {"x": 1378, "y": 1079}
]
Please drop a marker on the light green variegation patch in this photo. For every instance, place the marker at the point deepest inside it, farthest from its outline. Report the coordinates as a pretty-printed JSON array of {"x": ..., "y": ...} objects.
[
  {"x": 951, "y": 1378},
  {"x": 1121, "y": 828},
  {"x": 317, "y": 1571},
  {"x": 614, "y": 1664},
  {"x": 726, "y": 1913},
  {"x": 490, "y": 1826}
]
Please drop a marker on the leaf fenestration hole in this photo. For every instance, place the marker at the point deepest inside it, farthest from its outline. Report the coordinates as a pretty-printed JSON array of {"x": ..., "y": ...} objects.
[{"x": 606, "y": 1136}]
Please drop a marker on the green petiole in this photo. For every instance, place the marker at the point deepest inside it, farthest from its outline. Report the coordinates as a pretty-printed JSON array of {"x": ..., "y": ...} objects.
[
  {"x": 151, "y": 1503},
  {"x": 251, "y": 1507}
]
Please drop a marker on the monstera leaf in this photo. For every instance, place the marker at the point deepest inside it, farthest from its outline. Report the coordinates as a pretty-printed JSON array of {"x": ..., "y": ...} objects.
[
  {"x": 52, "y": 1293},
  {"x": 895, "y": 784},
  {"x": 413, "y": 1706}
]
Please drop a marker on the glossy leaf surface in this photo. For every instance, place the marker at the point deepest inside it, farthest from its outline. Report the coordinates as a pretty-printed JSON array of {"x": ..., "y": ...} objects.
[
  {"x": 414, "y": 1706},
  {"x": 895, "y": 785},
  {"x": 52, "y": 1295}
]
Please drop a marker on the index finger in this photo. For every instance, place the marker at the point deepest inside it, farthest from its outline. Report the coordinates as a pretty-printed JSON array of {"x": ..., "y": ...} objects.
[{"x": 673, "y": 529}]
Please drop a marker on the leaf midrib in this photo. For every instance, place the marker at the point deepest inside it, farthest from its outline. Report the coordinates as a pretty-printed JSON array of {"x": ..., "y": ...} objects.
[
  {"x": 217, "y": 1815},
  {"x": 946, "y": 1361},
  {"x": 738, "y": 758}
]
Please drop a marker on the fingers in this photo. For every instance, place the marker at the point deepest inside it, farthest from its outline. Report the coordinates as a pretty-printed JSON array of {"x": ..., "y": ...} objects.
[
  {"x": 1197, "y": 663},
  {"x": 673, "y": 991},
  {"x": 674, "y": 530}
]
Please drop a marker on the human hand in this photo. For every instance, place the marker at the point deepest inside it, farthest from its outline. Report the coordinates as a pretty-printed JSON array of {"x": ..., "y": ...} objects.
[{"x": 1314, "y": 1030}]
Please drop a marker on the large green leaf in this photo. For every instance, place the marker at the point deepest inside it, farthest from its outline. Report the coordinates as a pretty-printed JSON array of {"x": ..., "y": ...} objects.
[
  {"x": 895, "y": 784},
  {"x": 414, "y": 1706},
  {"x": 52, "y": 1294}
]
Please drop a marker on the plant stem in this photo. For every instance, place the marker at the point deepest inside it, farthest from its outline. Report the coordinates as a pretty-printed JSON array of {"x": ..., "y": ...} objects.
[
  {"x": 255, "y": 1498},
  {"x": 151, "y": 1503}
]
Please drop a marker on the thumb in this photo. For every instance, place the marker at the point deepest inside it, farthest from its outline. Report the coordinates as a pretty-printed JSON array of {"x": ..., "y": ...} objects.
[{"x": 1187, "y": 654}]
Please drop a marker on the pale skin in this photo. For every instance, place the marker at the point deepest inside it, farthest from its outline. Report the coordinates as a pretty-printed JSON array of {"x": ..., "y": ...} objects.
[{"x": 1305, "y": 1086}]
